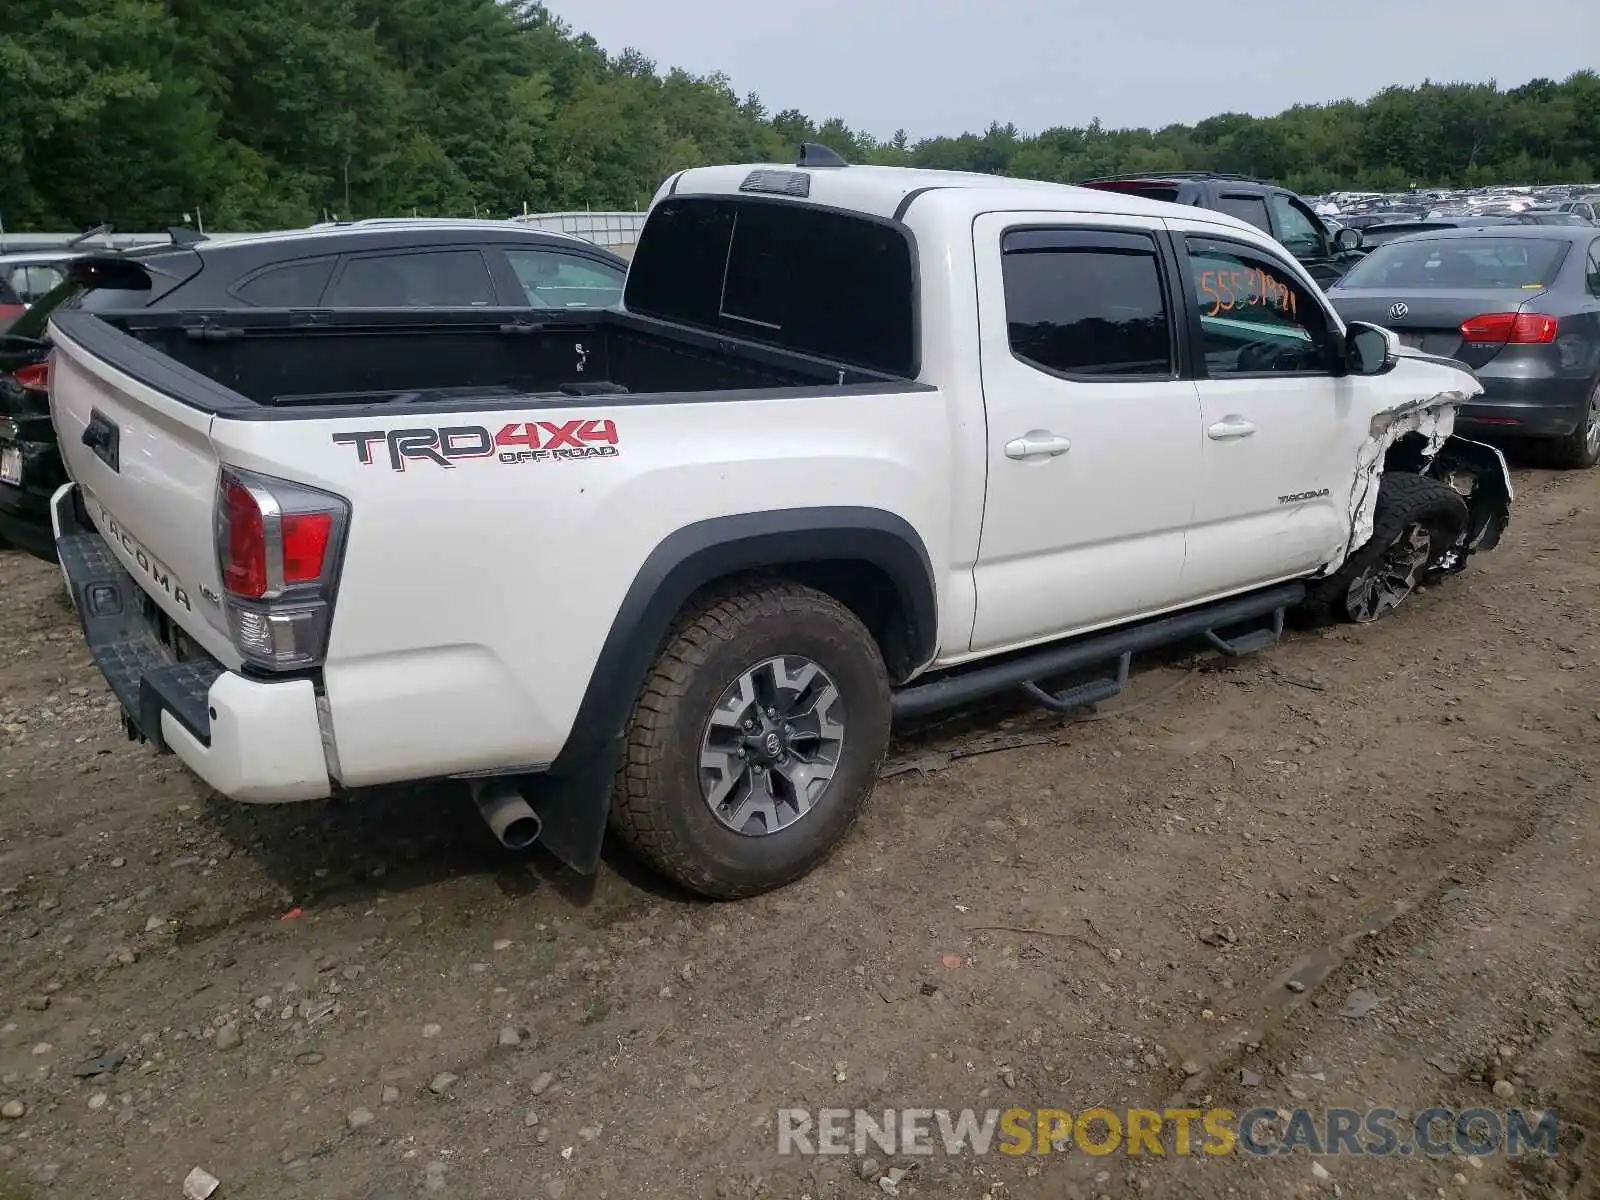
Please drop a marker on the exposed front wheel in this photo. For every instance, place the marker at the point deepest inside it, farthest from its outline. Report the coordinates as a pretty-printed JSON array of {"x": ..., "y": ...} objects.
[
  {"x": 1385, "y": 584},
  {"x": 755, "y": 741},
  {"x": 1417, "y": 525}
]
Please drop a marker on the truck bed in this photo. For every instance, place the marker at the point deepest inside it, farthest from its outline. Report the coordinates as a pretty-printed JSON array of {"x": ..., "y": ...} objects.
[{"x": 316, "y": 360}]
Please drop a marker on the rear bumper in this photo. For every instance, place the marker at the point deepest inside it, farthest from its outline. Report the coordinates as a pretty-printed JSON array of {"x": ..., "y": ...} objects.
[
  {"x": 1524, "y": 407},
  {"x": 250, "y": 740}
]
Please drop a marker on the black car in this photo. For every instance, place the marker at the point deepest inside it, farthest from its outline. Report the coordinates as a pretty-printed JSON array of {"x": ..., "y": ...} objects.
[
  {"x": 363, "y": 264},
  {"x": 1274, "y": 210},
  {"x": 1519, "y": 304}
]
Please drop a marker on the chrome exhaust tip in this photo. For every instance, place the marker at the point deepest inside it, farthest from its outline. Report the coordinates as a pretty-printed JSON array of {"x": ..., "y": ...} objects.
[{"x": 509, "y": 817}]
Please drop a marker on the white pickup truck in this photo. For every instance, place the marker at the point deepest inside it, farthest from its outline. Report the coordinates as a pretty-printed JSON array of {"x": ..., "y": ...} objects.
[{"x": 864, "y": 443}]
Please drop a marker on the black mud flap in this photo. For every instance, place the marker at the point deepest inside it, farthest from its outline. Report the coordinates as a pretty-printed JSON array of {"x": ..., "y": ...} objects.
[{"x": 574, "y": 809}]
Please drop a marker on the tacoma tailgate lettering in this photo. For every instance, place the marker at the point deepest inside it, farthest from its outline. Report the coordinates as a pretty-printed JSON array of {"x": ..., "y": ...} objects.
[{"x": 159, "y": 575}]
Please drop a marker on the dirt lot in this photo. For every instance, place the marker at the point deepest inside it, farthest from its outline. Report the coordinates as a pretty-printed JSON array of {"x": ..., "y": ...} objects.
[{"x": 372, "y": 999}]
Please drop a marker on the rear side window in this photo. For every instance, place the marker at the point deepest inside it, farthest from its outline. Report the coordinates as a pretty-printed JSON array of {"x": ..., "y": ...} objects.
[
  {"x": 1592, "y": 271},
  {"x": 1087, "y": 304},
  {"x": 292, "y": 285},
  {"x": 834, "y": 285},
  {"x": 1247, "y": 208},
  {"x": 1469, "y": 262},
  {"x": 551, "y": 279},
  {"x": 438, "y": 278}
]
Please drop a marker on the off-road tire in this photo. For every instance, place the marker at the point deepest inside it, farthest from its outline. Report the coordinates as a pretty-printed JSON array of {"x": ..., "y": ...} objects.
[
  {"x": 1580, "y": 449},
  {"x": 658, "y": 807},
  {"x": 1404, "y": 500}
]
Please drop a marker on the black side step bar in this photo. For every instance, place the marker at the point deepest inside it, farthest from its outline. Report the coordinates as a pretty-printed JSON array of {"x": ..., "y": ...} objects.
[
  {"x": 958, "y": 687},
  {"x": 1248, "y": 643},
  {"x": 1084, "y": 694}
]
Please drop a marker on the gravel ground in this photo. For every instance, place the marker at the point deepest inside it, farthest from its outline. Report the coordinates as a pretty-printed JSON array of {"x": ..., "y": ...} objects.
[{"x": 371, "y": 999}]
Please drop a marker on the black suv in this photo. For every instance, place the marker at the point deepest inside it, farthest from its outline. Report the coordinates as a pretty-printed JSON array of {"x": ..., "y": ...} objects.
[
  {"x": 426, "y": 263},
  {"x": 1274, "y": 210},
  {"x": 421, "y": 263}
]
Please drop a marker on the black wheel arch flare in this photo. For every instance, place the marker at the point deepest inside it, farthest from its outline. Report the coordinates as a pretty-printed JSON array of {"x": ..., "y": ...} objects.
[
  {"x": 699, "y": 554},
  {"x": 573, "y": 799}
]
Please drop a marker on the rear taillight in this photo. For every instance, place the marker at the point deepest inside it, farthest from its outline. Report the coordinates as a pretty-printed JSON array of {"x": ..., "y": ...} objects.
[
  {"x": 278, "y": 547},
  {"x": 10, "y": 312},
  {"x": 305, "y": 545},
  {"x": 1509, "y": 328},
  {"x": 35, "y": 377}
]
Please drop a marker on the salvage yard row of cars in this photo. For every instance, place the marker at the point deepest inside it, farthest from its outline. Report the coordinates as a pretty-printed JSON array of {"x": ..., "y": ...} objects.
[{"x": 853, "y": 445}]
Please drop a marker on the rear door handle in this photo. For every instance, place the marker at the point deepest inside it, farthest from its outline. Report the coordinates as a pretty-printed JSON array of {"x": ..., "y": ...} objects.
[
  {"x": 1036, "y": 442},
  {"x": 1230, "y": 427}
]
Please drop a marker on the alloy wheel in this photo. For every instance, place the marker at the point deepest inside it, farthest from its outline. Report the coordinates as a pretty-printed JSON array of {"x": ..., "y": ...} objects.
[
  {"x": 1591, "y": 429},
  {"x": 772, "y": 745},
  {"x": 1384, "y": 586}
]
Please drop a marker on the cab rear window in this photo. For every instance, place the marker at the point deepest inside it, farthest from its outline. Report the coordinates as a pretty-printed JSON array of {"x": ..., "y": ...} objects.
[{"x": 834, "y": 285}]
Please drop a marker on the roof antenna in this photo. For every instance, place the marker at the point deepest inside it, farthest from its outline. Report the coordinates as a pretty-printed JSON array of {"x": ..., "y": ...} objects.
[{"x": 814, "y": 154}]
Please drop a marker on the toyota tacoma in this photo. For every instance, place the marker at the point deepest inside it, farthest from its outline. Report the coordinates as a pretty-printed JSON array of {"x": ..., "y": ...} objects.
[{"x": 862, "y": 443}]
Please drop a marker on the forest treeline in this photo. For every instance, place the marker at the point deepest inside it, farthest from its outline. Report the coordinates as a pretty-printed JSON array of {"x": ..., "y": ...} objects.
[{"x": 271, "y": 113}]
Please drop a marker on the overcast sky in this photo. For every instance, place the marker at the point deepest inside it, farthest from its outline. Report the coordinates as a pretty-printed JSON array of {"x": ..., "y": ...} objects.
[{"x": 945, "y": 66}]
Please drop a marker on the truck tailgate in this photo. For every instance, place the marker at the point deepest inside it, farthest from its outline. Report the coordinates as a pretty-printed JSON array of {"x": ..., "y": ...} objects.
[{"x": 147, "y": 471}]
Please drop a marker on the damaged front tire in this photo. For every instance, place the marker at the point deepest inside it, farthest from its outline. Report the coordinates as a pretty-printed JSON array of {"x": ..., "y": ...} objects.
[{"x": 1418, "y": 524}]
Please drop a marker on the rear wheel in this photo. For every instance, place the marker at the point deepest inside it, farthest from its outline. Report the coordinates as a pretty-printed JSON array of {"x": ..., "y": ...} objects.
[
  {"x": 755, "y": 742},
  {"x": 1581, "y": 448},
  {"x": 1417, "y": 523}
]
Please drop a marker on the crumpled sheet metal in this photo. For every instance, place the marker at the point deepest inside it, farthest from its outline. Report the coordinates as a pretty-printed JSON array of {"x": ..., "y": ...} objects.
[{"x": 1434, "y": 417}]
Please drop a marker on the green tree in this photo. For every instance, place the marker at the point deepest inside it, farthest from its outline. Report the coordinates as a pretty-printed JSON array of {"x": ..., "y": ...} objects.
[{"x": 268, "y": 113}]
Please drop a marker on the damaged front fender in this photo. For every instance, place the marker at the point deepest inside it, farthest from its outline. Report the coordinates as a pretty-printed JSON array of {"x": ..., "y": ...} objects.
[
  {"x": 1418, "y": 436},
  {"x": 1425, "y": 424}
]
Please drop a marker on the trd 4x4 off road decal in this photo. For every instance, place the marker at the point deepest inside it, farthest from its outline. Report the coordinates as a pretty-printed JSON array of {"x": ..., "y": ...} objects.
[{"x": 518, "y": 442}]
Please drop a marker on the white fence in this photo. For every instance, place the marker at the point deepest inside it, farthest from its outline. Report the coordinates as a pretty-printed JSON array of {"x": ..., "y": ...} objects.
[{"x": 611, "y": 229}]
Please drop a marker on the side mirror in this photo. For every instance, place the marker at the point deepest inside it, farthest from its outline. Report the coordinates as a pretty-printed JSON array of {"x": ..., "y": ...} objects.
[
  {"x": 1370, "y": 349},
  {"x": 1348, "y": 239}
]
